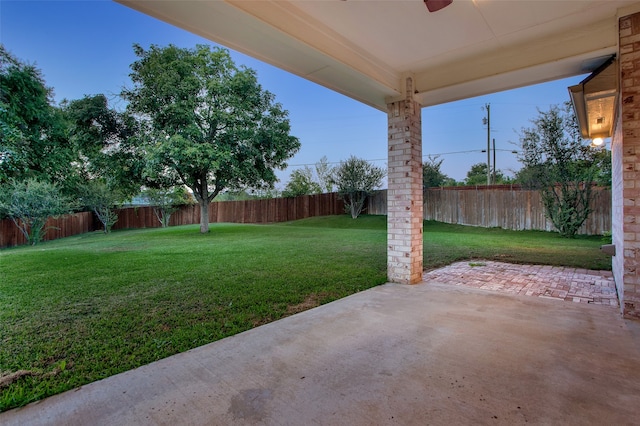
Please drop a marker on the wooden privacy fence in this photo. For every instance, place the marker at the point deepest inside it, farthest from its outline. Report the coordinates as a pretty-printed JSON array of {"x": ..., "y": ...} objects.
[
  {"x": 64, "y": 226},
  {"x": 248, "y": 211},
  {"x": 508, "y": 207}
]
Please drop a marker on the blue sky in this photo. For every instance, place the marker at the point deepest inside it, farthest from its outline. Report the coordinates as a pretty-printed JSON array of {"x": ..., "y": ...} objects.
[{"x": 85, "y": 48}]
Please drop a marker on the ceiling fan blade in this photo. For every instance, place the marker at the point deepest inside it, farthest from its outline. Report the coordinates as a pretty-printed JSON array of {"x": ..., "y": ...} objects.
[{"x": 435, "y": 5}]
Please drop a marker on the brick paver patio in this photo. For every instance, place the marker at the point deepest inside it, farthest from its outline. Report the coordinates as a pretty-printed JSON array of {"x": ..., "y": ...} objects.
[{"x": 550, "y": 282}]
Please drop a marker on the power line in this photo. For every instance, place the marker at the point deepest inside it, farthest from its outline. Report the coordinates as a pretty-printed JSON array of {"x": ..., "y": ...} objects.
[
  {"x": 453, "y": 152},
  {"x": 330, "y": 162},
  {"x": 424, "y": 156}
]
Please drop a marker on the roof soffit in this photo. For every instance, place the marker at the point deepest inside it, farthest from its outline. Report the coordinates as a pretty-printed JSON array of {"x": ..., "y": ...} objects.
[{"x": 556, "y": 56}]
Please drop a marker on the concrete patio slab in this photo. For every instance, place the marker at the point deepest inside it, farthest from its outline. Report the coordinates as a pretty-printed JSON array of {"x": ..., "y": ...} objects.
[{"x": 432, "y": 353}]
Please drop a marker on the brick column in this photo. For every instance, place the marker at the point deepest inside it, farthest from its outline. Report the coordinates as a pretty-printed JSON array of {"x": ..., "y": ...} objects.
[
  {"x": 404, "y": 196},
  {"x": 626, "y": 168}
]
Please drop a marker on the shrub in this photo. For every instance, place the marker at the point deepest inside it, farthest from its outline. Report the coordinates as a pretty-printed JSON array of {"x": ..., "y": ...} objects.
[
  {"x": 356, "y": 179},
  {"x": 29, "y": 204}
]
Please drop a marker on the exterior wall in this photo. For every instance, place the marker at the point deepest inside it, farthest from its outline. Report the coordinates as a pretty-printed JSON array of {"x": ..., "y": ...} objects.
[
  {"x": 404, "y": 196},
  {"x": 617, "y": 213},
  {"x": 629, "y": 27}
]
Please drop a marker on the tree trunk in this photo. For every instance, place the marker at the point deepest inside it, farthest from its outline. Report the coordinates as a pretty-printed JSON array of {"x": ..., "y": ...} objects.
[
  {"x": 354, "y": 209},
  {"x": 204, "y": 216}
]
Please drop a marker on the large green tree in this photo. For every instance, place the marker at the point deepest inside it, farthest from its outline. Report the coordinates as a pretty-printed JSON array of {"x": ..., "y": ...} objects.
[
  {"x": 561, "y": 165},
  {"x": 212, "y": 126},
  {"x": 33, "y": 132},
  {"x": 108, "y": 144}
]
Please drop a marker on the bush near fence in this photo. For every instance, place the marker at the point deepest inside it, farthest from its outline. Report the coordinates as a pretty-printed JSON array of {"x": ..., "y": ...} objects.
[
  {"x": 247, "y": 211},
  {"x": 503, "y": 206}
]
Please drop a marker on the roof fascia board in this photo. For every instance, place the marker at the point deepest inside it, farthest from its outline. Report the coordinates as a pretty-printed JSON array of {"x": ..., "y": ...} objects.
[
  {"x": 629, "y": 10},
  {"x": 509, "y": 80}
]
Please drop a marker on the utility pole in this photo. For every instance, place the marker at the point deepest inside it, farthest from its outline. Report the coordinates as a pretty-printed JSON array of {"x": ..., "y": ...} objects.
[
  {"x": 493, "y": 181},
  {"x": 487, "y": 120}
]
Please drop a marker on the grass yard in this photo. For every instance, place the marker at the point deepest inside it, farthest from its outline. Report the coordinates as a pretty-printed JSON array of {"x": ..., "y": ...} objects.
[
  {"x": 83, "y": 308},
  {"x": 445, "y": 244}
]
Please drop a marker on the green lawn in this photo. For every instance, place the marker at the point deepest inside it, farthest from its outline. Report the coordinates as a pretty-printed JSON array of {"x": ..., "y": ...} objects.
[
  {"x": 77, "y": 310},
  {"x": 444, "y": 244}
]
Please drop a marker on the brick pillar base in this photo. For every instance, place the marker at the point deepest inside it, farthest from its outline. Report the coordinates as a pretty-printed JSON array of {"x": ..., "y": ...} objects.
[
  {"x": 628, "y": 241},
  {"x": 404, "y": 196}
]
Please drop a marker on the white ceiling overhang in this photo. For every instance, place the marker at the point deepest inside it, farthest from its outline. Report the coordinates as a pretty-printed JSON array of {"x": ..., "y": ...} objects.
[{"x": 365, "y": 48}]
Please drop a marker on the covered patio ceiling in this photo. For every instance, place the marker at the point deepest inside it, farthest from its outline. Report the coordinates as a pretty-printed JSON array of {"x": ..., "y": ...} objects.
[{"x": 365, "y": 48}]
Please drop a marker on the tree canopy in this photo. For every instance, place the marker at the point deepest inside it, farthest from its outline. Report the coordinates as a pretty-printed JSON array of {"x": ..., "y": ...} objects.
[
  {"x": 477, "y": 175},
  {"x": 324, "y": 171},
  {"x": 211, "y": 125},
  {"x": 33, "y": 142},
  {"x": 108, "y": 144},
  {"x": 432, "y": 176},
  {"x": 301, "y": 183}
]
